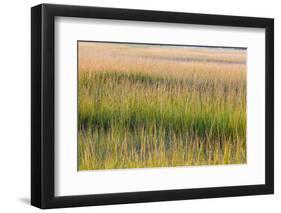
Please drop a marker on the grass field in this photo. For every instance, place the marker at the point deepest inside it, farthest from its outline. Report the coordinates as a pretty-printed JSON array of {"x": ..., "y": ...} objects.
[{"x": 143, "y": 106}]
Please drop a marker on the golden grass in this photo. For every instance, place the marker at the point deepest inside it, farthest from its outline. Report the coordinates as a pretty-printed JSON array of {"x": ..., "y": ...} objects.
[{"x": 151, "y": 106}]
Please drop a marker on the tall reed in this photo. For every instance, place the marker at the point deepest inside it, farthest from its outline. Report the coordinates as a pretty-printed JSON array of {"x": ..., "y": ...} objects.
[{"x": 142, "y": 107}]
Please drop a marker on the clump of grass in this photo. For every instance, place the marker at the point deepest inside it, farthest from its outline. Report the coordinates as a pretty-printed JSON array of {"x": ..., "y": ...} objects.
[{"x": 140, "y": 116}]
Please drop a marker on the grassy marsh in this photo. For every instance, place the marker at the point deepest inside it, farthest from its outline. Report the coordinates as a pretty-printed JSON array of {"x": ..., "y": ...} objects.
[{"x": 145, "y": 106}]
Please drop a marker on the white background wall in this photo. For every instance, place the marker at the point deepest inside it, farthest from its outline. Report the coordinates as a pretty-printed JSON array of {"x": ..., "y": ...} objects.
[{"x": 15, "y": 105}]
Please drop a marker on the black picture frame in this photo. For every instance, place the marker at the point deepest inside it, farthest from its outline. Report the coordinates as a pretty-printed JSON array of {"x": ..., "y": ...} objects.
[{"x": 43, "y": 105}]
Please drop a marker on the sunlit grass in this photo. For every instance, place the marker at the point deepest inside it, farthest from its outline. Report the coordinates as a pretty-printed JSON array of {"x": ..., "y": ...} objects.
[{"x": 154, "y": 112}]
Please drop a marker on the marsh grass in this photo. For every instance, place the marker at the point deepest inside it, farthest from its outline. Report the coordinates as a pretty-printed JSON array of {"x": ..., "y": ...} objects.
[{"x": 137, "y": 112}]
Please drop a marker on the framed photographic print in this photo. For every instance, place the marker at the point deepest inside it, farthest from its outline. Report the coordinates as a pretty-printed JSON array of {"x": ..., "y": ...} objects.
[{"x": 139, "y": 106}]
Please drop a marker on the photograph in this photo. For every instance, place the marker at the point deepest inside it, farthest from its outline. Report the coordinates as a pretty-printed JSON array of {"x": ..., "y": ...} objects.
[
  {"x": 160, "y": 105},
  {"x": 138, "y": 105}
]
